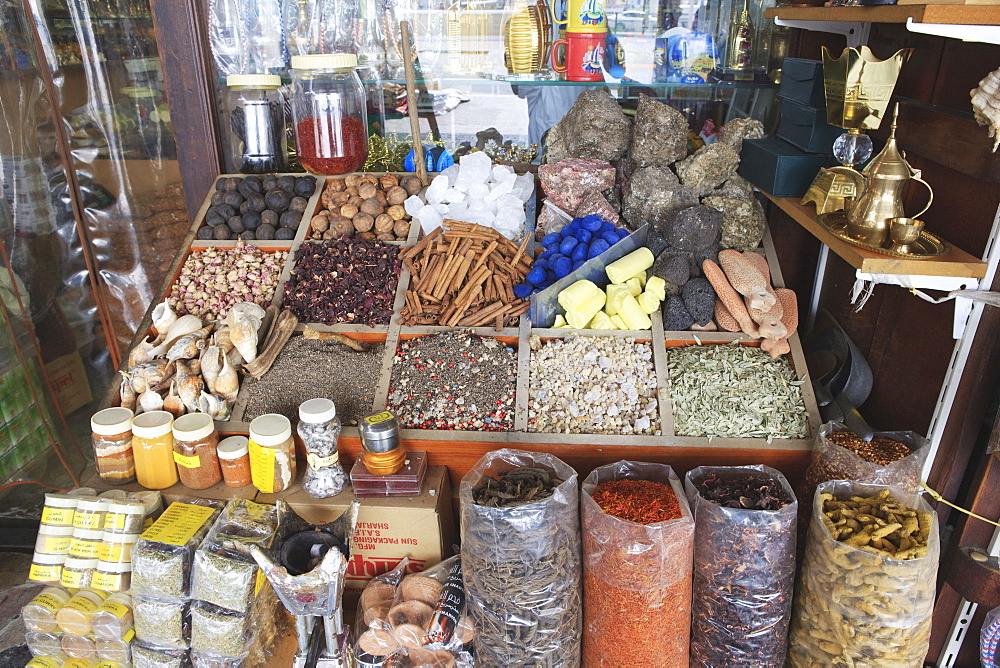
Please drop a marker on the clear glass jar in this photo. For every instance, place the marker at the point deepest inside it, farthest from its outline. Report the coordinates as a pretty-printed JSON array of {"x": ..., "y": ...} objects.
[
  {"x": 59, "y": 510},
  {"x": 195, "y": 443},
  {"x": 125, "y": 517},
  {"x": 74, "y": 618},
  {"x": 117, "y": 547},
  {"x": 330, "y": 114},
  {"x": 153, "y": 447},
  {"x": 272, "y": 453},
  {"x": 113, "y": 618},
  {"x": 255, "y": 117},
  {"x": 79, "y": 647},
  {"x": 112, "y": 576},
  {"x": 111, "y": 436},
  {"x": 77, "y": 572},
  {"x": 234, "y": 459},
  {"x": 85, "y": 543},
  {"x": 90, "y": 513},
  {"x": 319, "y": 429},
  {"x": 46, "y": 568},
  {"x": 53, "y": 540},
  {"x": 39, "y": 615}
]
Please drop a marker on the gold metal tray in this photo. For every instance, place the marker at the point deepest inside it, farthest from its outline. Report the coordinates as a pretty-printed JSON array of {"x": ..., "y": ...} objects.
[{"x": 928, "y": 245}]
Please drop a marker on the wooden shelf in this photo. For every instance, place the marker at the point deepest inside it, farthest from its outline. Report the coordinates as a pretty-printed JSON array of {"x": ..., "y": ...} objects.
[
  {"x": 955, "y": 263},
  {"x": 944, "y": 13}
]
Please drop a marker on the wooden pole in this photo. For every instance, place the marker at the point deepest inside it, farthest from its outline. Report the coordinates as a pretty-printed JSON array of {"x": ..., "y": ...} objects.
[{"x": 411, "y": 102}]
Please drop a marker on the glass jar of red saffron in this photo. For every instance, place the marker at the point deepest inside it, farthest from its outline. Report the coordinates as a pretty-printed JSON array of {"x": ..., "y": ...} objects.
[{"x": 329, "y": 110}]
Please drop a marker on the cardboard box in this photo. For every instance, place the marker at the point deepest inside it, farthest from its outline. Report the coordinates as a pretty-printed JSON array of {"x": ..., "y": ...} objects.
[
  {"x": 419, "y": 527},
  {"x": 68, "y": 380},
  {"x": 777, "y": 167},
  {"x": 802, "y": 81},
  {"x": 806, "y": 128}
]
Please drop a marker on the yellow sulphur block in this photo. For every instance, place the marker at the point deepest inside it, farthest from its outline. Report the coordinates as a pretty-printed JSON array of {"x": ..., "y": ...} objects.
[
  {"x": 633, "y": 315},
  {"x": 616, "y": 293},
  {"x": 617, "y": 321},
  {"x": 642, "y": 278},
  {"x": 560, "y": 321},
  {"x": 577, "y": 294},
  {"x": 578, "y": 317},
  {"x": 648, "y": 302},
  {"x": 634, "y": 287},
  {"x": 657, "y": 286},
  {"x": 625, "y": 268},
  {"x": 600, "y": 321}
]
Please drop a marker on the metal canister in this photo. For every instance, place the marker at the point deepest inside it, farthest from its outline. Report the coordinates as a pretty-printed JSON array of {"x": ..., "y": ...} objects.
[{"x": 383, "y": 452}]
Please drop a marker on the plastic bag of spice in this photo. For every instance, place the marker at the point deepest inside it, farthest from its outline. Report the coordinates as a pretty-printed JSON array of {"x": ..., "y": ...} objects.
[
  {"x": 891, "y": 458},
  {"x": 521, "y": 563},
  {"x": 867, "y": 589},
  {"x": 636, "y": 577},
  {"x": 744, "y": 564}
]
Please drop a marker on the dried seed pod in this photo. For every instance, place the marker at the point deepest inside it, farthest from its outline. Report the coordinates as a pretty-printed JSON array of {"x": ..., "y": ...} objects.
[
  {"x": 372, "y": 207},
  {"x": 338, "y": 200},
  {"x": 363, "y": 222},
  {"x": 332, "y": 234},
  {"x": 385, "y": 236},
  {"x": 367, "y": 236},
  {"x": 356, "y": 201},
  {"x": 342, "y": 226},
  {"x": 401, "y": 228},
  {"x": 335, "y": 185},
  {"x": 368, "y": 178},
  {"x": 352, "y": 192},
  {"x": 352, "y": 180},
  {"x": 384, "y": 223},
  {"x": 412, "y": 184},
  {"x": 388, "y": 181},
  {"x": 320, "y": 222},
  {"x": 397, "y": 195},
  {"x": 349, "y": 211},
  {"x": 396, "y": 211},
  {"x": 382, "y": 199},
  {"x": 367, "y": 190}
]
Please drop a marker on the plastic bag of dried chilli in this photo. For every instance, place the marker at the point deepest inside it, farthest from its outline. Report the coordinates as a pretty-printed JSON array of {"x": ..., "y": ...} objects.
[
  {"x": 866, "y": 595},
  {"x": 744, "y": 565},
  {"x": 636, "y": 574},
  {"x": 890, "y": 458},
  {"x": 521, "y": 559}
]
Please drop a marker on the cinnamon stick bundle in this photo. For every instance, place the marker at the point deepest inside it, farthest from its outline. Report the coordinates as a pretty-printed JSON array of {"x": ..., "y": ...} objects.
[{"x": 463, "y": 275}]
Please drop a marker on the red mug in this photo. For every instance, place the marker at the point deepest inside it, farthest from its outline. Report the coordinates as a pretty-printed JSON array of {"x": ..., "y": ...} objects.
[{"x": 584, "y": 55}]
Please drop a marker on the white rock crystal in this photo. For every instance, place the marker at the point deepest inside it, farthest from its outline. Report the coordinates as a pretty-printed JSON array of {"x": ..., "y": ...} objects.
[
  {"x": 413, "y": 205},
  {"x": 477, "y": 191}
]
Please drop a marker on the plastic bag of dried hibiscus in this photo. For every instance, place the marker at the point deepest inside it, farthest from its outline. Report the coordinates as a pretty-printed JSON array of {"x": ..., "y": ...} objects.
[{"x": 744, "y": 565}]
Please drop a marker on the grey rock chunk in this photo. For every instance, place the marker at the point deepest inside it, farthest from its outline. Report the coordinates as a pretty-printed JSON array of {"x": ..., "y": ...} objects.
[
  {"x": 738, "y": 129},
  {"x": 699, "y": 300},
  {"x": 660, "y": 134},
  {"x": 653, "y": 194},
  {"x": 694, "y": 228},
  {"x": 674, "y": 267},
  {"x": 595, "y": 127},
  {"x": 708, "y": 167},
  {"x": 676, "y": 317},
  {"x": 743, "y": 221},
  {"x": 735, "y": 186}
]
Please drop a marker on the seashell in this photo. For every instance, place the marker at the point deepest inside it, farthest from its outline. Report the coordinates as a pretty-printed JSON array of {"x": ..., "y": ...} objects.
[
  {"x": 221, "y": 339},
  {"x": 150, "y": 401},
  {"x": 189, "y": 386},
  {"x": 142, "y": 353},
  {"x": 188, "y": 346},
  {"x": 172, "y": 402},
  {"x": 235, "y": 358},
  {"x": 184, "y": 325},
  {"x": 211, "y": 364},
  {"x": 244, "y": 336},
  {"x": 216, "y": 406},
  {"x": 227, "y": 383},
  {"x": 986, "y": 105},
  {"x": 245, "y": 310},
  {"x": 126, "y": 392},
  {"x": 163, "y": 317},
  {"x": 149, "y": 374}
]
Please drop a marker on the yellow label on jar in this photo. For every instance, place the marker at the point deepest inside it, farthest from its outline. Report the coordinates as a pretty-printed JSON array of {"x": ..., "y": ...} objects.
[
  {"x": 380, "y": 417},
  {"x": 45, "y": 572},
  {"x": 84, "y": 604},
  {"x": 86, "y": 549},
  {"x": 107, "y": 664},
  {"x": 57, "y": 517},
  {"x": 43, "y": 662},
  {"x": 74, "y": 578},
  {"x": 113, "y": 552},
  {"x": 187, "y": 461},
  {"x": 117, "y": 609},
  {"x": 178, "y": 524},
  {"x": 87, "y": 520},
  {"x": 128, "y": 636},
  {"x": 106, "y": 581},
  {"x": 317, "y": 463},
  {"x": 115, "y": 521},
  {"x": 54, "y": 544},
  {"x": 262, "y": 467},
  {"x": 47, "y": 601}
]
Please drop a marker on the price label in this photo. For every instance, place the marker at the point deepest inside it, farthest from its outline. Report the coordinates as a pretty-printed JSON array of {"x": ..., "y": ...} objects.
[{"x": 178, "y": 524}]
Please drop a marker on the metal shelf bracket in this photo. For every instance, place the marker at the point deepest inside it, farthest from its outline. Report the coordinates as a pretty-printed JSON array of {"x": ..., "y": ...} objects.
[
  {"x": 864, "y": 282},
  {"x": 855, "y": 32},
  {"x": 966, "y": 33}
]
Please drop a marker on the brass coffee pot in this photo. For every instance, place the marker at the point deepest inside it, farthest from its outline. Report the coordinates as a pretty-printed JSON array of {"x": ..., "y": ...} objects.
[{"x": 879, "y": 192}]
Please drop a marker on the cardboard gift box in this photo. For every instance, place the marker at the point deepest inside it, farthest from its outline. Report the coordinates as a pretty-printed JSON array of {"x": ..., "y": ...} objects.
[
  {"x": 802, "y": 81},
  {"x": 806, "y": 128},
  {"x": 779, "y": 168}
]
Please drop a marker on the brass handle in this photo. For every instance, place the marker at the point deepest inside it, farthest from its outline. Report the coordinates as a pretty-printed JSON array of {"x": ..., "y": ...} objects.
[{"x": 930, "y": 192}]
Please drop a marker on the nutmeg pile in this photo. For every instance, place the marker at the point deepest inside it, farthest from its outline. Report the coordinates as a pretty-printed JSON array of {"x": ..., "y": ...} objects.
[{"x": 367, "y": 205}]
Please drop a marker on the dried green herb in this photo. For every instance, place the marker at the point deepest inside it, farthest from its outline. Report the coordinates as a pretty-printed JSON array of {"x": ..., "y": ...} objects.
[
  {"x": 218, "y": 632},
  {"x": 734, "y": 391},
  {"x": 160, "y": 623}
]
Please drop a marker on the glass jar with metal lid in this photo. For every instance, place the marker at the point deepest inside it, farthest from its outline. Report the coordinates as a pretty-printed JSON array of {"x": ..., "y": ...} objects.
[
  {"x": 382, "y": 452},
  {"x": 272, "y": 453},
  {"x": 330, "y": 114},
  {"x": 319, "y": 428},
  {"x": 255, "y": 116}
]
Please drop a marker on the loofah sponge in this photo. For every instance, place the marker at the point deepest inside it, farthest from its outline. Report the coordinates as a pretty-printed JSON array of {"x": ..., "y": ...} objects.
[
  {"x": 745, "y": 276},
  {"x": 730, "y": 299}
]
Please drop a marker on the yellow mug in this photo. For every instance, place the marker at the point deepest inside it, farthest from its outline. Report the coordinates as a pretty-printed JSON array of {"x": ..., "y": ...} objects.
[{"x": 582, "y": 16}]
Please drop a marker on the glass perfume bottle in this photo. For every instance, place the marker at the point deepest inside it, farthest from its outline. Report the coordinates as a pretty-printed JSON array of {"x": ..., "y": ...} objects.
[{"x": 740, "y": 45}]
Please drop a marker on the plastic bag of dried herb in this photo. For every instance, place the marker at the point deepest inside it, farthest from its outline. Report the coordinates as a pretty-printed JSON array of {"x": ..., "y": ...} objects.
[
  {"x": 636, "y": 576},
  {"x": 866, "y": 594},
  {"x": 890, "y": 458},
  {"x": 744, "y": 564},
  {"x": 521, "y": 563},
  {"x": 146, "y": 656},
  {"x": 219, "y": 632},
  {"x": 160, "y": 623}
]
